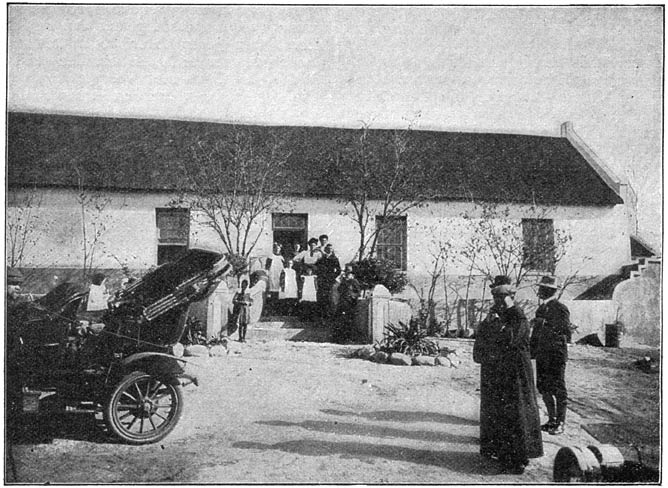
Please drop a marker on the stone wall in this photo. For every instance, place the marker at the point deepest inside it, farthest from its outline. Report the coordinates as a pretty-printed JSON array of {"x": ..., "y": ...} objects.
[{"x": 638, "y": 302}]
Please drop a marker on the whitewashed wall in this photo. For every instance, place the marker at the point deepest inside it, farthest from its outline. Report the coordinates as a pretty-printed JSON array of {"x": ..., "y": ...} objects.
[{"x": 600, "y": 242}]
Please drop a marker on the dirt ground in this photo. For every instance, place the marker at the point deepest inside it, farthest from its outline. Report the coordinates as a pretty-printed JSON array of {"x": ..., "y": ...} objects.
[{"x": 284, "y": 412}]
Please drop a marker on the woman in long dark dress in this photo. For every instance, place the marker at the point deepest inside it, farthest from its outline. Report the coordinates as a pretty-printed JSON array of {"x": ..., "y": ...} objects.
[
  {"x": 509, "y": 417},
  {"x": 329, "y": 269}
]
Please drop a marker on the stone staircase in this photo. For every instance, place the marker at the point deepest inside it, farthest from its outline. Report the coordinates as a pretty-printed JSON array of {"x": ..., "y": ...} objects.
[
  {"x": 638, "y": 265},
  {"x": 288, "y": 328}
]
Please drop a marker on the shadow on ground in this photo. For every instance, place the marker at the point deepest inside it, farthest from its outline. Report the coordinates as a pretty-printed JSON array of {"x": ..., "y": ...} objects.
[
  {"x": 462, "y": 462},
  {"x": 343, "y": 428},
  {"x": 40, "y": 429},
  {"x": 405, "y": 416}
]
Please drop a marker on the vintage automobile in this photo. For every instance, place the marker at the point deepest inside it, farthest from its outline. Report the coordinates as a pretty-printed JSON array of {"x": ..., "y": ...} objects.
[{"x": 125, "y": 363}]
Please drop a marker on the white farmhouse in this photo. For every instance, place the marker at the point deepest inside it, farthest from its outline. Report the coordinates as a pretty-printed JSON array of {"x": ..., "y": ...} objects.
[{"x": 542, "y": 185}]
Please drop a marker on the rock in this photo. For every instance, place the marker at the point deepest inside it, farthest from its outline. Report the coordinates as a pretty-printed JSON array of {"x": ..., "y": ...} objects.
[
  {"x": 424, "y": 361},
  {"x": 366, "y": 352},
  {"x": 218, "y": 350},
  {"x": 380, "y": 357},
  {"x": 647, "y": 365},
  {"x": 399, "y": 359},
  {"x": 196, "y": 350},
  {"x": 443, "y": 361}
]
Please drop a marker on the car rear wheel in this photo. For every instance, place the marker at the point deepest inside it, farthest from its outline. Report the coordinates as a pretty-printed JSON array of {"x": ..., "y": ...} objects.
[{"x": 143, "y": 408}]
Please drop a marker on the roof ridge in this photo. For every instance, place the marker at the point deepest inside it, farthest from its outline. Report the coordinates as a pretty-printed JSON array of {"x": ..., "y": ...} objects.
[{"x": 384, "y": 127}]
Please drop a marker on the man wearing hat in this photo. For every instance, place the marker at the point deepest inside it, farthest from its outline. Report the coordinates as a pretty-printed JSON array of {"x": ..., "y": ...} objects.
[
  {"x": 549, "y": 346},
  {"x": 509, "y": 417},
  {"x": 14, "y": 281}
]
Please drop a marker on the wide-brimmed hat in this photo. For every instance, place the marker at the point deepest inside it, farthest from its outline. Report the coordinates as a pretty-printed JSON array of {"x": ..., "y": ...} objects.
[
  {"x": 14, "y": 277},
  {"x": 500, "y": 280},
  {"x": 548, "y": 282}
]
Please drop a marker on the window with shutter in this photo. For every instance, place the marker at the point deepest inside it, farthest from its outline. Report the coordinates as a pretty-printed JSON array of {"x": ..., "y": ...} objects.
[
  {"x": 539, "y": 247},
  {"x": 173, "y": 232},
  {"x": 391, "y": 243}
]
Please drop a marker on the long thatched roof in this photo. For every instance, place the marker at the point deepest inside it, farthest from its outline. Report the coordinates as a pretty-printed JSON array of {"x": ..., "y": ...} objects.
[{"x": 146, "y": 154}]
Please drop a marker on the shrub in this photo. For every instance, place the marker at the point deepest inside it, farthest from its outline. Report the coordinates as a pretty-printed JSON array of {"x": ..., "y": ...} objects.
[
  {"x": 371, "y": 272},
  {"x": 408, "y": 339},
  {"x": 195, "y": 334}
]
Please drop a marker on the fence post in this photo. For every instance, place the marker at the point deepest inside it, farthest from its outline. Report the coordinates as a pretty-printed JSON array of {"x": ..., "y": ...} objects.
[
  {"x": 379, "y": 313},
  {"x": 217, "y": 306}
]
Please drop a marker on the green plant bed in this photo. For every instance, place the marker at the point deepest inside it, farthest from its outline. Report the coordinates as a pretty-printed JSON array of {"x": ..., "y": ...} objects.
[
  {"x": 371, "y": 272},
  {"x": 411, "y": 340}
]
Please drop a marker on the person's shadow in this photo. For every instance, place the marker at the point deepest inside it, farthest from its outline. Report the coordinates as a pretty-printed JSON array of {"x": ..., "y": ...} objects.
[
  {"x": 469, "y": 462},
  {"x": 405, "y": 416},
  {"x": 459, "y": 461},
  {"x": 346, "y": 428}
]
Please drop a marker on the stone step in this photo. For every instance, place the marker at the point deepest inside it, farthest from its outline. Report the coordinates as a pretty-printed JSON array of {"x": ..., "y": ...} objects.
[
  {"x": 287, "y": 322},
  {"x": 288, "y": 328},
  {"x": 294, "y": 335}
]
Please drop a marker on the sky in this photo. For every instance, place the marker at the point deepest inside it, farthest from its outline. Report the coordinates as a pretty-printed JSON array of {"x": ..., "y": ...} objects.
[{"x": 509, "y": 69}]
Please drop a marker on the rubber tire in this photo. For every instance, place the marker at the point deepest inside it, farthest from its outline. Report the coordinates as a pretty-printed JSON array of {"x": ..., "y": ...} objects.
[{"x": 116, "y": 427}]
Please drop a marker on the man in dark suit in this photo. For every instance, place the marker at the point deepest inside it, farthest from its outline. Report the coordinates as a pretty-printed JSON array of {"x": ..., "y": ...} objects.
[{"x": 549, "y": 346}]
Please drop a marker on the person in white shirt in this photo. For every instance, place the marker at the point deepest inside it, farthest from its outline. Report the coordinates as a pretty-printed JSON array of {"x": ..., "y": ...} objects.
[
  {"x": 289, "y": 290},
  {"x": 98, "y": 296}
]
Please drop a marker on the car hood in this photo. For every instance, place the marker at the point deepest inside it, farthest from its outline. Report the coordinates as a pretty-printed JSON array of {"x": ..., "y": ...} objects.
[{"x": 163, "y": 280}]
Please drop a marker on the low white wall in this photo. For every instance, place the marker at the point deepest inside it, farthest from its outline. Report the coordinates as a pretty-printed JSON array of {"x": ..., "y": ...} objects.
[{"x": 590, "y": 316}]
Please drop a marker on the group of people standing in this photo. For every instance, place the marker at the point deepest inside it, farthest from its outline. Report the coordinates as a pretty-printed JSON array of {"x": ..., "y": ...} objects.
[
  {"x": 310, "y": 283},
  {"x": 505, "y": 344},
  {"x": 302, "y": 280}
]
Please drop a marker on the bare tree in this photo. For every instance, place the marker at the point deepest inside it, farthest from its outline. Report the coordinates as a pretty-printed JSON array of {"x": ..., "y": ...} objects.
[
  {"x": 232, "y": 183},
  {"x": 95, "y": 220},
  {"x": 380, "y": 178},
  {"x": 22, "y": 227},
  {"x": 498, "y": 245}
]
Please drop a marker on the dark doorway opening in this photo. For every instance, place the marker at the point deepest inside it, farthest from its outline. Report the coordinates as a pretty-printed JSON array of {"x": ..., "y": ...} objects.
[
  {"x": 288, "y": 238},
  {"x": 290, "y": 229}
]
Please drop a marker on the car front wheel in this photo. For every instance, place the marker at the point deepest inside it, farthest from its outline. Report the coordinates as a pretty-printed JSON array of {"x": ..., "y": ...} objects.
[{"x": 143, "y": 409}]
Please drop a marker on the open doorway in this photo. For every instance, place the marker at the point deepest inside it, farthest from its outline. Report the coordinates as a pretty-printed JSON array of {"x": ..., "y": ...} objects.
[{"x": 290, "y": 229}]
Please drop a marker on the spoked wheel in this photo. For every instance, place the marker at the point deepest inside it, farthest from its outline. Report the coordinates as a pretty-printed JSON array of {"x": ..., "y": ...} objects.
[{"x": 143, "y": 409}]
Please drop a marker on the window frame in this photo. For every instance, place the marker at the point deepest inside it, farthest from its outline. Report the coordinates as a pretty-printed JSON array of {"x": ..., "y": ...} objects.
[
  {"x": 403, "y": 245},
  {"x": 170, "y": 246},
  {"x": 535, "y": 241}
]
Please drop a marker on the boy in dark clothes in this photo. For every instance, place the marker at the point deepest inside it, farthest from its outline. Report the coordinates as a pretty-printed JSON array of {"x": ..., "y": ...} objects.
[{"x": 242, "y": 302}]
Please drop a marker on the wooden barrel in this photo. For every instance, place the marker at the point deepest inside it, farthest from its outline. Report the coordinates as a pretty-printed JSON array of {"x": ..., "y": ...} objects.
[
  {"x": 624, "y": 464},
  {"x": 603, "y": 463},
  {"x": 610, "y": 459},
  {"x": 576, "y": 464}
]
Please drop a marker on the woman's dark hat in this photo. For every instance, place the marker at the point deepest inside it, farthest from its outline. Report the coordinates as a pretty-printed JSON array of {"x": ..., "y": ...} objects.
[
  {"x": 500, "y": 280},
  {"x": 503, "y": 290},
  {"x": 313, "y": 240},
  {"x": 548, "y": 282}
]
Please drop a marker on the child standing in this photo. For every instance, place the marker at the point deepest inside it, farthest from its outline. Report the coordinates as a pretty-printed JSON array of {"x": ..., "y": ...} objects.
[
  {"x": 242, "y": 302},
  {"x": 309, "y": 297},
  {"x": 288, "y": 294}
]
